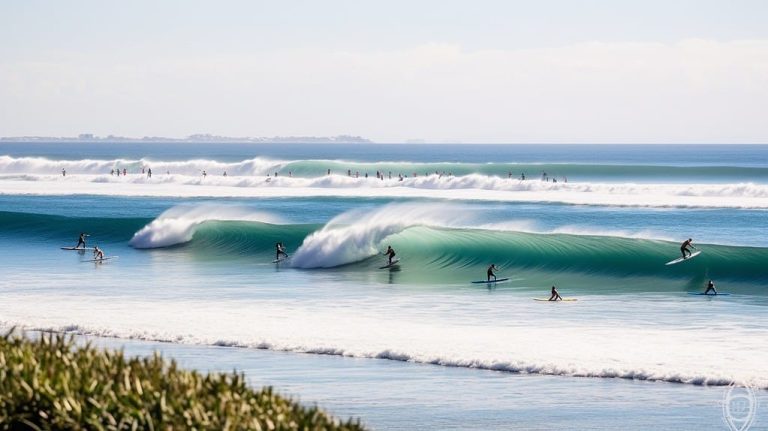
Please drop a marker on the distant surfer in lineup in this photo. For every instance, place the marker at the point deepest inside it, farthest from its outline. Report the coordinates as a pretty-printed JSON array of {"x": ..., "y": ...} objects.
[
  {"x": 98, "y": 254},
  {"x": 390, "y": 253},
  {"x": 81, "y": 240},
  {"x": 555, "y": 296},
  {"x": 710, "y": 287},
  {"x": 490, "y": 273},
  {"x": 684, "y": 248},
  {"x": 280, "y": 251}
]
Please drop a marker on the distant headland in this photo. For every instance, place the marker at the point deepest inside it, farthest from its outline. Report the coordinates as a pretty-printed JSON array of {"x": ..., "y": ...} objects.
[{"x": 202, "y": 137}]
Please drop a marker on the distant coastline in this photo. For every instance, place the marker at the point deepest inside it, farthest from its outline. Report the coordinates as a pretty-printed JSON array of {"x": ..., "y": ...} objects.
[{"x": 196, "y": 138}]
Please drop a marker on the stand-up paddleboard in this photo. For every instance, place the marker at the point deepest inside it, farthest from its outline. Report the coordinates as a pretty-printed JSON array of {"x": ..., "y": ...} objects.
[
  {"x": 559, "y": 300},
  {"x": 499, "y": 280},
  {"x": 709, "y": 294},
  {"x": 78, "y": 248},
  {"x": 394, "y": 263},
  {"x": 101, "y": 260},
  {"x": 680, "y": 259}
]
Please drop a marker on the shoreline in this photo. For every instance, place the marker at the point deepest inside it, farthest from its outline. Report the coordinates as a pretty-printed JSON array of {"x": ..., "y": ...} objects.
[{"x": 400, "y": 395}]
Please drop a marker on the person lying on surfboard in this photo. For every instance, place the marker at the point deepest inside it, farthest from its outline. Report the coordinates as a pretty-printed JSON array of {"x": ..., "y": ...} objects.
[
  {"x": 555, "y": 296},
  {"x": 710, "y": 286},
  {"x": 490, "y": 272},
  {"x": 280, "y": 250},
  {"x": 98, "y": 253},
  {"x": 81, "y": 240},
  {"x": 684, "y": 248},
  {"x": 391, "y": 253}
]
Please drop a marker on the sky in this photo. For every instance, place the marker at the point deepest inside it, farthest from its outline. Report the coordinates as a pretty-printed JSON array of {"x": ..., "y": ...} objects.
[{"x": 489, "y": 71}]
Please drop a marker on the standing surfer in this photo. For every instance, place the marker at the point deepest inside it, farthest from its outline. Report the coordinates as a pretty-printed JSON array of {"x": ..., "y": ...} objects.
[
  {"x": 710, "y": 286},
  {"x": 280, "y": 251},
  {"x": 490, "y": 272},
  {"x": 684, "y": 248},
  {"x": 81, "y": 240},
  {"x": 391, "y": 253}
]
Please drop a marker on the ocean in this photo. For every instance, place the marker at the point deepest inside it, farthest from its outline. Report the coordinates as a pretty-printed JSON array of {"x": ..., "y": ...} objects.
[{"x": 194, "y": 271}]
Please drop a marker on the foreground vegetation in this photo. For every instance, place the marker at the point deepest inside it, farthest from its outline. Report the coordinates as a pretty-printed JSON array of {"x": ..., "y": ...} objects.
[{"x": 50, "y": 383}]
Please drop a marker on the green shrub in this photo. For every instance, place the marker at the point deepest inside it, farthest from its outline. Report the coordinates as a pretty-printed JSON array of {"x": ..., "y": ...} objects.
[{"x": 50, "y": 383}]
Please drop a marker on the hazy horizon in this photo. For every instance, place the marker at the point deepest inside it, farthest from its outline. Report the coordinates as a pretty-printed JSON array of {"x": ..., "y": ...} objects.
[{"x": 442, "y": 72}]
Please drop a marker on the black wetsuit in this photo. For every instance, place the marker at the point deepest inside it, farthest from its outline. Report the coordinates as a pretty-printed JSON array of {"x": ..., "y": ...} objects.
[
  {"x": 391, "y": 254},
  {"x": 710, "y": 286},
  {"x": 490, "y": 273},
  {"x": 81, "y": 241}
]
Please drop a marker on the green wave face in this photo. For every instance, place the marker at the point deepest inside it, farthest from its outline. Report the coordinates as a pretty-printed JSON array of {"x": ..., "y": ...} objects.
[{"x": 452, "y": 257}]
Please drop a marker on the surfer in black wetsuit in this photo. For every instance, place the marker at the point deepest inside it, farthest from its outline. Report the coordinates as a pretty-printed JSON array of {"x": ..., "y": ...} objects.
[
  {"x": 555, "y": 296},
  {"x": 81, "y": 240},
  {"x": 710, "y": 286},
  {"x": 490, "y": 272},
  {"x": 391, "y": 253},
  {"x": 280, "y": 251},
  {"x": 684, "y": 248}
]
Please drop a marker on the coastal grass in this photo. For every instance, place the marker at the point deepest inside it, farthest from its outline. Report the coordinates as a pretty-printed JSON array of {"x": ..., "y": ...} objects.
[{"x": 51, "y": 383}]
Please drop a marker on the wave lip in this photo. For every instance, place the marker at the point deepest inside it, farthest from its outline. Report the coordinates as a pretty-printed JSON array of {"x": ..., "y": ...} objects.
[
  {"x": 359, "y": 234},
  {"x": 178, "y": 224}
]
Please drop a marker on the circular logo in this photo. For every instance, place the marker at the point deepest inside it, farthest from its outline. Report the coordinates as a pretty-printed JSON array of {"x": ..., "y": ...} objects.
[{"x": 739, "y": 407}]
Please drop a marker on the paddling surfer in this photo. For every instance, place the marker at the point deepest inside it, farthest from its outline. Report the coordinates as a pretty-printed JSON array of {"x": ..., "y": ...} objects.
[
  {"x": 390, "y": 253},
  {"x": 555, "y": 296},
  {"x": 81, "y": 240},
  {"x": 280, "y": 251},
  {"x": 490, "y": 272},
  {"x": 710, "y": 286},
  {"x": 684, "y": 248}
]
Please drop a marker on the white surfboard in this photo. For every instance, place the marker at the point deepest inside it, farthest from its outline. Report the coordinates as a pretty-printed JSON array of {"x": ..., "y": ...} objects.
[
  {"x": 560, "y": 300},
  {"x": 680, "y": 259},
  {"x": 102, "y": 259},
  {"x": 394, "y": 262},
  {"x": 282, "y": 259},
  {"x": 78, "y": 249}
]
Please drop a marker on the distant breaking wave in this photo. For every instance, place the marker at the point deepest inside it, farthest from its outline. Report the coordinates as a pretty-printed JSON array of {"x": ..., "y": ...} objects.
[
  {"x": 259, "y": 166},
  {"x": 737, "y": 187}
]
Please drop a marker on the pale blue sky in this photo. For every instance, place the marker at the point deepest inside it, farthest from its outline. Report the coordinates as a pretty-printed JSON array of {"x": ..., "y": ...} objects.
[{"x": 485, "y": 71}]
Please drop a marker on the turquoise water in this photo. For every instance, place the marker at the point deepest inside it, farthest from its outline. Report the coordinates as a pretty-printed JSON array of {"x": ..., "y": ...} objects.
[{"x": 194, "y": 267}]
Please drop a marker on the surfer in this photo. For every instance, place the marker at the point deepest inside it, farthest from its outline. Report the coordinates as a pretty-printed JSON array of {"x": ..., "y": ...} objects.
[
  {"x": 684, "y": 248},
  {"x": 490, "y": 272},
  {"x": 280, "y": 250},
  {"x": 391, "y": 253},
  {"x": 81, "y": 240},
  {"x": 555, "y": 296},
  {"x": 98, "y": 254},
  {"x": 710, "y": 286}
]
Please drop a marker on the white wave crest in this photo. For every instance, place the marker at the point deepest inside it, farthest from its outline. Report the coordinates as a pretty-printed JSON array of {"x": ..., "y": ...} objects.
[
  {"x": 359, "y": 234},
  {"x": 43, "y": 166},
  {"x": 178, "y": 224}
]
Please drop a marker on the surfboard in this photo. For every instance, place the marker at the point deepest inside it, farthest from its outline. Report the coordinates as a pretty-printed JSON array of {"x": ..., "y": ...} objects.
[
  {"x": 394, "y": 262},
  {"x": 101, "y": 260},
  {"x": 491, "y": 281},
  {"x": 282, "y": 259},
  {"x": 680, "y": 259},
  {"x": 709, "y": 294},
  {"x": 563, "y": 300},
  {"x": 78, "y": 249}
]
